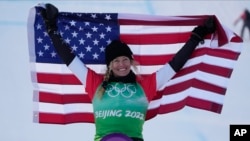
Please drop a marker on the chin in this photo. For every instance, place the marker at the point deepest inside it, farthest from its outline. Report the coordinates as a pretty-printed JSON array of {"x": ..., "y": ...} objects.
[{"x": 121, "y": 74}]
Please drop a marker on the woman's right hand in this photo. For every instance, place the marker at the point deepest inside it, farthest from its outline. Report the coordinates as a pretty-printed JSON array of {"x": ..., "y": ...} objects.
[
  {"x": 201, "y": 31},
  {"x": 50, "y": 14}
]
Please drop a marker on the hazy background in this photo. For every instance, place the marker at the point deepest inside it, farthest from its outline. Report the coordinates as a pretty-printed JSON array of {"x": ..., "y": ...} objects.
[{"x": 188, "y": 124}]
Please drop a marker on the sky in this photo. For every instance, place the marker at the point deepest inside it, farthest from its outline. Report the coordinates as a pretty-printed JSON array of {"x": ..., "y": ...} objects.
[{"x": 16, "y": 104}]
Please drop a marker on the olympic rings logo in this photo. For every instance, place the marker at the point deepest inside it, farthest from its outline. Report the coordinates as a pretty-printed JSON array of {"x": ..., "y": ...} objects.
[{"x": 126, "y": 90}]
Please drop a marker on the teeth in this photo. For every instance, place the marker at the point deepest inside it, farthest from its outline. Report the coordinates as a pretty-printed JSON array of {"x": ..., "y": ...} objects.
[{"x": 122, "y": 69}]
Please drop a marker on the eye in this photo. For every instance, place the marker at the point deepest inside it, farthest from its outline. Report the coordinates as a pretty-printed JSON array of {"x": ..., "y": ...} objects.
[
  {"x": 116, "y": 60},
  {"x": 125, "y": 59}
]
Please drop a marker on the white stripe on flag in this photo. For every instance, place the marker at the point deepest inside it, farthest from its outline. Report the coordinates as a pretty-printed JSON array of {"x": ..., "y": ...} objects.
[
  {"x": 161, "y": 49},
  {"x": 212, "y": 60},
  {"x": 151, "y": 17},
  {"x": 192, "y": 92},
  {"x": 65, "y": 108},
  {"x": 60, "y": 89},
  {"x": 203, "y": 76},
  {"x": 143, "y": 29}
]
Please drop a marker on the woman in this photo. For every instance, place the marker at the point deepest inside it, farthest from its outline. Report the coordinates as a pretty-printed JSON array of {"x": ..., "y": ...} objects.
[{"x": 120, "y": 98}]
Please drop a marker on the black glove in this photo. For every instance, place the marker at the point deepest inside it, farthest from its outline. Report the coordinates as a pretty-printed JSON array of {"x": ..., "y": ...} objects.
[
  {"x": 50, "y": 14},
  {"x": 201, "y": 31}
]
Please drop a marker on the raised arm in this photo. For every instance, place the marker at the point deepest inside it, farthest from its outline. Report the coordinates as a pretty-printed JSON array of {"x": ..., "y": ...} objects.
[
  {"x": 241, "y": 17},
  {"x": 181, "y": 57},
  {"x": 50, "y": 14}
]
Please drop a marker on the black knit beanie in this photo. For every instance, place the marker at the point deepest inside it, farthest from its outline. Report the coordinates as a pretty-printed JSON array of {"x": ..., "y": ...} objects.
[{"x": 115, "y": 49}]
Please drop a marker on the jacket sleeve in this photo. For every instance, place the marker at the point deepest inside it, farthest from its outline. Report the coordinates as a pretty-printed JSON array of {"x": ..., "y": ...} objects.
[
  {"x": 177, "y": 62},
  {"x": 72, "y": 61}
]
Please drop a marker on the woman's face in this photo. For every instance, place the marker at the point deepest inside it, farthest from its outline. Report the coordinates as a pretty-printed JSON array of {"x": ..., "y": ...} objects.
[{"x": 121, "y": 66}]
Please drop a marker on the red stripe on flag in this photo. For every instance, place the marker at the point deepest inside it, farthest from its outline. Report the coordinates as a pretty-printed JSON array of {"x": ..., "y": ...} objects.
[
  {"x": 63, "y": 99},
  {"x": 166, "y": 22},
  {"x": 57, "y": 79},
  {"x": 221, "y": 53},
  {"x": 204, "y": 104},
  {"x": 148, "y": 60},
  {"x": 65, "y": 118},
  {"x": 195, "y": 83},
  {"x": 212, "y": 69},
  {"x": 147, "y": 39},
  {"x": 190, "y": 101}
]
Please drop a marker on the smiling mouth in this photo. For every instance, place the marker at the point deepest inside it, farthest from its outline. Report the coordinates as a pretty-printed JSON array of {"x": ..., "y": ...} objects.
[{"x": 121, "y": 69}]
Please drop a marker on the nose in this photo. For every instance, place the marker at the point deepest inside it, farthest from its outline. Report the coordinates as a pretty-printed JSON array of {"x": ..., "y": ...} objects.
[{"x": 120, "y": 63}]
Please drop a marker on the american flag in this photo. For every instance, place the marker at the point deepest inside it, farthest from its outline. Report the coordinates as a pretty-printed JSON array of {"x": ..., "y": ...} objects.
[{"x": 60, "y": 98}]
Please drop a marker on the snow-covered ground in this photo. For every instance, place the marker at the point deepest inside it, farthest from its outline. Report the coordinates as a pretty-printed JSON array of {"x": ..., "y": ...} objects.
[{"x": 187, "y": 124}]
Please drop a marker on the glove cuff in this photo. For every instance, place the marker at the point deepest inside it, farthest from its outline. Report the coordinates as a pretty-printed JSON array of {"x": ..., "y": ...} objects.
[{"x": 197, "y": 37}]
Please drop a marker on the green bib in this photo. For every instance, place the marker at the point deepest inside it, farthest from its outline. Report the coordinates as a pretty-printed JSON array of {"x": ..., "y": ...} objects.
[{"x": 122, "y": 108}]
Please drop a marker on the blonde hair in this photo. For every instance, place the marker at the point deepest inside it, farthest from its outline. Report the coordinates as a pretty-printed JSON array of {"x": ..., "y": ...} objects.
[{"x": 108, "y": 73}]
